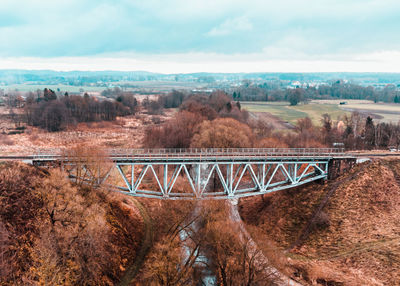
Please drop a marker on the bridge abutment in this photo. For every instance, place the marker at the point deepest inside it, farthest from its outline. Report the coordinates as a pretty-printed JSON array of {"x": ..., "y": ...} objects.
[{"x": 337, "y": 167}]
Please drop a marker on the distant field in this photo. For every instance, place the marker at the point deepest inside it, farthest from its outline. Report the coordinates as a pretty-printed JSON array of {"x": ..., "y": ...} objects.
[
  {"x": 152, "y": 86},
  {"x": 315, "y": 109},
  {"x": 164, "y": 84},
  {"x": 278, "y": 109},
  {"x": 386, "y": 112},
  {"x": 290, "y": 114}
]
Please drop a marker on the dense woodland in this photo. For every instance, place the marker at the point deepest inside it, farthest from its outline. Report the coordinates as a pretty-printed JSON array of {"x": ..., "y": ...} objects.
[
  {"x": 55, "y": 113},
  {"x": 54, "y": 232}
]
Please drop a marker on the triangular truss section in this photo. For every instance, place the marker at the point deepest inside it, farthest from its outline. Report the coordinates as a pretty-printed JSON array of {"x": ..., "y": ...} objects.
[
  {"x": 190, "y": 180},
  {"x": 245, "y": 179},
  {"x": 181, "y": 183}
]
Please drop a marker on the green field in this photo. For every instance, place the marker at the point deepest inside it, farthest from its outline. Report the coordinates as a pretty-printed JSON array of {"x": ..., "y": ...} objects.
[
  {"x": 278, "y": 109},
  {"x": 288, "y": 113},
  {"x": 315, "y": 109}
]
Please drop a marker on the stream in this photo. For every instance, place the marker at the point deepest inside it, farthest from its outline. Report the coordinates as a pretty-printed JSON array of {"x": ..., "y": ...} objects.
[{"x": 207, "y": 277}]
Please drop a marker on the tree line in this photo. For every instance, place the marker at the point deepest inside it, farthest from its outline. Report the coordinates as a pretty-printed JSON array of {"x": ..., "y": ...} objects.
[
  {"x": 216, "y": 121},
  {"x": 202, "y": 114},
  {"x": 336, "y": 90},
  {"x": 359, "y": 132},
  {"x": 56, "y": 113}
]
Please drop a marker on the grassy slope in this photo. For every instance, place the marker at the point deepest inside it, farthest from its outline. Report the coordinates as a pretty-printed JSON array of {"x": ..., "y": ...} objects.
[{"x": 361, "y": 242}]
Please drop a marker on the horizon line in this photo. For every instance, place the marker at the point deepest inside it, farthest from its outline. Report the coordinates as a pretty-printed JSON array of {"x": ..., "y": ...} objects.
[{"x": 199, "y": 72}]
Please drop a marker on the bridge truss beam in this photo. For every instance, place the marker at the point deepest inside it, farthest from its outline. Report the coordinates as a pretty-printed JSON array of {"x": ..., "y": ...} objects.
[{"x": 209, "y": 180}]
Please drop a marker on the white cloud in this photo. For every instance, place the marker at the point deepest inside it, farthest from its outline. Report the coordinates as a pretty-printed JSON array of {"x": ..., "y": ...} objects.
[
  {"x": 264, "y": 30},
  {"x": 230, "y": 26}
]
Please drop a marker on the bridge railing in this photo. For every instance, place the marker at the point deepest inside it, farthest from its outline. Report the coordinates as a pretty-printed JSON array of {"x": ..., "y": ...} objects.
[
  {"x": 211, "y": 152},
  {"x": 231, "y": 152}
]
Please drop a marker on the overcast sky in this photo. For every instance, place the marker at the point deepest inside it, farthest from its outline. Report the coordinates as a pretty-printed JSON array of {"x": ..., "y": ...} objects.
[{"x": 209, "y": 35}]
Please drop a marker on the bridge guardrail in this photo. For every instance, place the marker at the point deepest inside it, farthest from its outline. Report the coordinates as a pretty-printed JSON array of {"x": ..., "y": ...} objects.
[
  {"x": 234, "y": 152},
  {"x": 212, "y": 152}
]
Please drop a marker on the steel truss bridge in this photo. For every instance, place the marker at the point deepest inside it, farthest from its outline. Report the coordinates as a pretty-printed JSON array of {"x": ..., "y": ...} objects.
[{"x": 201, "y": 173}]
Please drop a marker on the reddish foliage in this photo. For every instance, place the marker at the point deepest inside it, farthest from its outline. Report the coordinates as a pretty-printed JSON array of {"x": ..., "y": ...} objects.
[{"x": 176, "y": 133}]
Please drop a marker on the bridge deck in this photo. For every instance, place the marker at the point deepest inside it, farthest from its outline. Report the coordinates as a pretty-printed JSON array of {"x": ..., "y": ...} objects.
[{"x": 199, "y": 154}]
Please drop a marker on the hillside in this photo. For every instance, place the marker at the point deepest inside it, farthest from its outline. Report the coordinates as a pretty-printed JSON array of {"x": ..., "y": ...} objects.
[
  {"x": 354, "y": 240},
  {"x": 54, "y": 233}
]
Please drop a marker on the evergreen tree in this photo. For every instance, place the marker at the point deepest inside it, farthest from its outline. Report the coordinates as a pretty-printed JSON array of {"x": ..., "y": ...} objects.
[
  {"x": 238, "y": 105},
  {"x": 369, "y": 133}
]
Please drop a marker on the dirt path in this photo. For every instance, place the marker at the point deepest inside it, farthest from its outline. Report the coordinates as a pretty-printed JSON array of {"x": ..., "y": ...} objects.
[
  {"x": 133, "y": 269},
  {"x": 273, "y": 120}
]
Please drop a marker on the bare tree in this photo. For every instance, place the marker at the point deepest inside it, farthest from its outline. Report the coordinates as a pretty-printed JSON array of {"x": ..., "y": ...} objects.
[
  {"x": 172, "y": 260},
  {"x": 89, "y": 165},
  {"x": 230, "y": 256}
]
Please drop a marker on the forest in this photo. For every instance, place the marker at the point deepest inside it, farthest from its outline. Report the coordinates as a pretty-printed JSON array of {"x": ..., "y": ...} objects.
[{"x": 56, "y": 113}]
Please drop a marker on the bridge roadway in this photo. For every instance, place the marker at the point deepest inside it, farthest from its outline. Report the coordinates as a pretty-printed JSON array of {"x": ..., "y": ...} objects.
[{"x": 203, "y": 173}]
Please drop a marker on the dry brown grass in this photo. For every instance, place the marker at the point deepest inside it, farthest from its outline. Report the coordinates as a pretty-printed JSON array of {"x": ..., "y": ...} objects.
[
  {"x": 359, "y": 245},
  {"x": 6, "y": 140},
  {"x": 125, "y": 132}
]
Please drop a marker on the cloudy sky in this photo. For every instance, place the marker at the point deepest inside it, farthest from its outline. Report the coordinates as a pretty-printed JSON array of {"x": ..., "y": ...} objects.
[{"x": 209, "y": 35}]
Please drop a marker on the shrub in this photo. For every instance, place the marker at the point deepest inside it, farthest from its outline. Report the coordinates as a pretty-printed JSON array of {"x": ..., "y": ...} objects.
[{"x": 223, "y": 133}]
